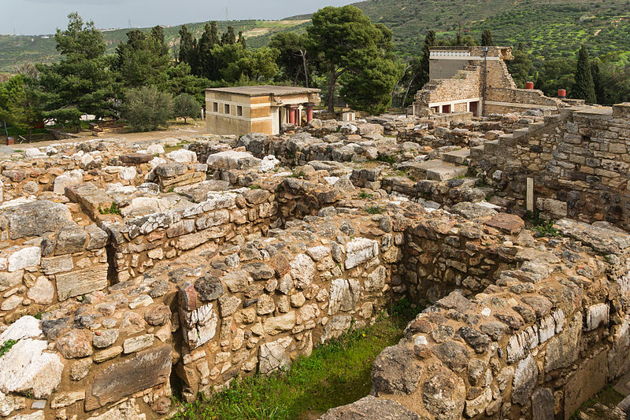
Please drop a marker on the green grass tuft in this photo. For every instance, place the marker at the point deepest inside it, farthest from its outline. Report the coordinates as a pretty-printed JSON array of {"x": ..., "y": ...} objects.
[
  {"x": 374, "y": 210},
  {"x": 113, "y": 209}
]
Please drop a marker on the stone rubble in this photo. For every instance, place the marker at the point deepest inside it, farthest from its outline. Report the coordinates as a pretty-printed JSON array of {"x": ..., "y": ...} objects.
[{"x": 125, "y": 265}]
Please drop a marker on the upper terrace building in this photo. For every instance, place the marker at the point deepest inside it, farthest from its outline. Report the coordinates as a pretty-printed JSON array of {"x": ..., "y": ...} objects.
[
  {"x": 476, "y": 80},
  {"x": 258, "y": 109}
]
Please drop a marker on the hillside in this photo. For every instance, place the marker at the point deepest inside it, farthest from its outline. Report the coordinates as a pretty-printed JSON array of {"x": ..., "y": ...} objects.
[
  {"x": 17, "y": 50},
  {"x": 547, "y": 28}
]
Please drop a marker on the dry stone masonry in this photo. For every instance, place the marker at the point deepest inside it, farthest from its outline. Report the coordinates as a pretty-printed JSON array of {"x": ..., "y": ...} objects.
[{"x": 133, "y": 271}]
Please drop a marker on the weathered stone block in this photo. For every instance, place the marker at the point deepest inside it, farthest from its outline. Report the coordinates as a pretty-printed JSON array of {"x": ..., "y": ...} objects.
[
  {"x": 145, "y": 370},
  {"x": 80, "y": 282}
]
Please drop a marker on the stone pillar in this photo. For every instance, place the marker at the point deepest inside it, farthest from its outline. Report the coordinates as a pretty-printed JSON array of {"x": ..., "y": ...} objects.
[
  {"x": 291, "y": 115},
  {"x": 530, "y": 195},
  {"x": 298, "y": 116}
]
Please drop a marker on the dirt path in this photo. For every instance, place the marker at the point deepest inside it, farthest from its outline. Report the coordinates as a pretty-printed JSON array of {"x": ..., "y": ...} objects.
[{"x": 174, "y": 131}]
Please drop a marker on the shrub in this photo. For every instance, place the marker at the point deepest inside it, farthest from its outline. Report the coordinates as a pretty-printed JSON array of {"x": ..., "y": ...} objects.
[
  {"x": 147, "y": 108},
  {"x": 186, "y": 106}
]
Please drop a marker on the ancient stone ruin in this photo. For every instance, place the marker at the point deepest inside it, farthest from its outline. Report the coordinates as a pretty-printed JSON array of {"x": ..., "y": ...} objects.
[{"x": 130, "y": 271}]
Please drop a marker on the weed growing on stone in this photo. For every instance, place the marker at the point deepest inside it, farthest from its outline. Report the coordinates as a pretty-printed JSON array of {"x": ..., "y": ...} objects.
[
  {"x": 365, "y": 196},
  {"x": 386, "y": 158},
  {"x": 337, "y": 373},
  {"x": 113, "y": 209},
  {"x": 374, "y": 210},
  {"x": 541, "y": 226},
  {"x": 6, "y": 347}
]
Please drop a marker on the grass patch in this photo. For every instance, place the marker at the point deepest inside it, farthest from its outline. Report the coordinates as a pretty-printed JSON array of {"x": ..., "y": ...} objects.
[
  {"x": 254, "y": 187},
  {"x": 365, "y": 196},
  {"x": 178, "y": 146},
  {"x": 6, "y": 346},
  {"x": 113, "y": 209},
  {"x": 374, "y": 210},
  {"x": 337, "y": 373}
]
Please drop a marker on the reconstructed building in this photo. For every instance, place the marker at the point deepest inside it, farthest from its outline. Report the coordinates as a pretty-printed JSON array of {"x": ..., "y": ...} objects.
[
  {"x": 258, "y": 109},
  {"x": 476, "y": 80}
]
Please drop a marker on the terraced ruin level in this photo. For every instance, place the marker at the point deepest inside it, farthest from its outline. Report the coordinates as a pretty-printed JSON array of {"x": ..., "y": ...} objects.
[{"x": 129, "y": 273}]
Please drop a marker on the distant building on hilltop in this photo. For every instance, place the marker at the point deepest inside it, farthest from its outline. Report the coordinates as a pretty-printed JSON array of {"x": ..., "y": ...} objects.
[
  {"x": 476, "y": 80},
  {"x": 258, "y": 109}
]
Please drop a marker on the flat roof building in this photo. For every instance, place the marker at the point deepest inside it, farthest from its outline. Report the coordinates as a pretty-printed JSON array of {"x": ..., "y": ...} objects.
[
  {"x": 476, "y": 80},
  {"x": 258, "y": 109}
]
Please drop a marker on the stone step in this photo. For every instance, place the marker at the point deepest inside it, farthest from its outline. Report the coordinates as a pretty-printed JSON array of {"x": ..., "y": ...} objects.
[
  {"x": 491, "y": 146},
  {"x": 438, "y": 170},
  {"x": 477, "y": 152},
  {"x": 521, "y": 132},
  {"x": 459, "y": 157},
  {"x": 507, "y": 140}
]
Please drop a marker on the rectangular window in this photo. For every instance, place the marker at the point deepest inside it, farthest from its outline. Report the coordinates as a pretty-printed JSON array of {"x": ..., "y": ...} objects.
[
  {"x": 215, "y": 107},
  {"x": 227, "y": 108},
  {"x": 239, "y": 111}
]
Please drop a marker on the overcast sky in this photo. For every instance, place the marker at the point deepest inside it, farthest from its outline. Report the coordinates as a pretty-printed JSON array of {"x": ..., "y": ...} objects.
[{"x": 34, "y": 17}]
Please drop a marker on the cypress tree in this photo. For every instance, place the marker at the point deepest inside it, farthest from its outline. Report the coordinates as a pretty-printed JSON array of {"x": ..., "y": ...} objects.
[
  {"x": 429, "y": 41},
  {"x": 597, "y": 83},
  {"x": 228, "y": 37},
  {"x": 584, "y": 87},
  {"x": 206, "y": 63},
  {"x": 187, "y": 48},
  {"x": 486, "y": 38}
]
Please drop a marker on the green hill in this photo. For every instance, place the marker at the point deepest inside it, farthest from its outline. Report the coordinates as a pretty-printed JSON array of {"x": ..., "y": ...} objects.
[
  {"x": 548, "y": 28},
  {"x": 18, "y": 50}
]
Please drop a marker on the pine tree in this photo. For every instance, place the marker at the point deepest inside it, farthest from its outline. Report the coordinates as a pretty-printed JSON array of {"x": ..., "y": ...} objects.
[
  {"x": 584, "y": 87},
  {"x": 486, "y": 38}
]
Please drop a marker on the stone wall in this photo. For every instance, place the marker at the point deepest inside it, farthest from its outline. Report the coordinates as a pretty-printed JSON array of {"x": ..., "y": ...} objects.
[
  {"x": 578, "y": 160},
  {"x": 536, "y": 344},
  {"x": 38, "y": 271}
]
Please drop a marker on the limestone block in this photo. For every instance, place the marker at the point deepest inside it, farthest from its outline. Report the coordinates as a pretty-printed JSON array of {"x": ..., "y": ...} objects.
[
  {"x": 274, "y": 355},
  {"x": 370, "y": 407},
  {"x": 27, "y": 368},
  {"x": 42, "y": 291},
  {"x": 524, "y": 382},
  {"x": 303, "y": 270},
  {"x": 360, "y": 250},
  {"x": 200, "y": 325},
  {"x": 80, "y": 282},
  {"x": 182, "y": 156},
  {"x": 25, "y": 257},
  {"x": 344, "y": 295},
  {"x": 25, "y": 327},
  {"x": 596, "y": 316},
  {"x": 67, "y": 179},
  {"x": 144, "y": 370}
]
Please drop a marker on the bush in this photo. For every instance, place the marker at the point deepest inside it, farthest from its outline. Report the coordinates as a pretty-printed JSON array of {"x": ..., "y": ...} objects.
[
  {"x": 147, "y": 108},
  {"x": 186, "y": 106}
]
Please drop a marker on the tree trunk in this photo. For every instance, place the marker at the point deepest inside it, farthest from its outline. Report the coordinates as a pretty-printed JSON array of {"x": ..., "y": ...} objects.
[
  {"x": 303, "y": 53},
  {"x": 332, "y": 82}
]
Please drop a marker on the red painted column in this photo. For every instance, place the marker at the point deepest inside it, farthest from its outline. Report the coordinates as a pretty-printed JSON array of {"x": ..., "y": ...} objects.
[
  {"x": 309, "y": 113},
  {"x": 291, "y": 116},
  {"x": 298, "y": 117}
]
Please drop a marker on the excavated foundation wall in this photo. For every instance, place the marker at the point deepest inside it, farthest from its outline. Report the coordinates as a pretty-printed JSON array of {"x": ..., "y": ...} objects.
[
  {"x": 536, "y": 344},
  {"x": 579, "y": 163}
]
